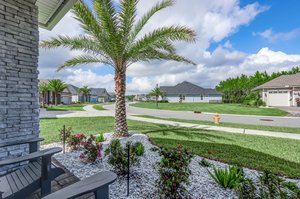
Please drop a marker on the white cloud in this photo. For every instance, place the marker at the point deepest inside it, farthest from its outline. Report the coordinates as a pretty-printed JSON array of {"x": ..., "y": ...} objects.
[
  {"x": 272, "y": 36},
  {"x": 80, "y": 77}
]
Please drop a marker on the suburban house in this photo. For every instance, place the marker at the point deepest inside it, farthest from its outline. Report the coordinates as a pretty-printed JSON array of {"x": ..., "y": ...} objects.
[
  {"x": 281, "y": 91},
  {"x": 72, "y": 95},
  {"x": 188, "y": 92}
]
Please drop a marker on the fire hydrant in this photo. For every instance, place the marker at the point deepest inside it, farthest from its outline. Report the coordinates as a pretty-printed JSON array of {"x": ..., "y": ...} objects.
[{"x": 216, "y": 118}]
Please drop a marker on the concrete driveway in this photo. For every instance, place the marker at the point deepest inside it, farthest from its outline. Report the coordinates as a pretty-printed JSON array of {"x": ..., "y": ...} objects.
[{"x": 188, "y": 115}]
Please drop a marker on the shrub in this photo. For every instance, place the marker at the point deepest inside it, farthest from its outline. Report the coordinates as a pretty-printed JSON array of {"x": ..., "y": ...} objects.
[
  {"x": 228, "y": 177},
  {"x": 68, "y": 133},
  {"x": 118, "y": 156},
  {"x": 100, "y": 138},
  {"x": 92, "y": 149},
  {"x": 204, "y": 163},
  {"x": 246, "y": 189},
  {"x": 74, "y": 141},
  {"x": 269, "y": 186},
  {"x": 138, "y": 148},
  {"x": 174, "y": 172}
]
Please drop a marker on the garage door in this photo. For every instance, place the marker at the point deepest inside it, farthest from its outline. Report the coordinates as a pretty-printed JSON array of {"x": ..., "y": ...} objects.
[{"x": 278, "y": 98}]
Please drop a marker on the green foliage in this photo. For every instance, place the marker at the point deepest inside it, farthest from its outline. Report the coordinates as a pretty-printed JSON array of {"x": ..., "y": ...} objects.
[
  {"x": 228, "y": 177},
  {"x": 91, "y": 149},
  {"x": 65, "y": 133},
  {"x": 246, "y": 189},
  {"x": 235, "y": 90},
  {"x": 253, "y": 99},
  {"x": 100, "y": 138},
  {"x": 74, "y": 141},
  {"x": 85, "y": 92},
  {"x": 269, "y": 186},
  {"x": 56, "y": 86},
  {"x": 203, "y": 162},
  {"x": 138, "y": 148},
  {"x": 118, "y": 156},
  {"x": 174, "y": 172}
]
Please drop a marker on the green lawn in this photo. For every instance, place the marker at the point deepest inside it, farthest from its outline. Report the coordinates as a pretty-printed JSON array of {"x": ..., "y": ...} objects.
[
  {"x": 71, "y": 107},
  {"x": 280, "y": 156},
  {"x": 99, "y": 107},
  {"x": 213, "y": 108},
  {"x": 233, "y": 125}
]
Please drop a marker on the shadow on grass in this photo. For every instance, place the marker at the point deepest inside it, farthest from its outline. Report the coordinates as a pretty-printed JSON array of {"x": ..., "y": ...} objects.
[
  {"x": 188, "y": 133},
  {"x": 236, "y": 155}
]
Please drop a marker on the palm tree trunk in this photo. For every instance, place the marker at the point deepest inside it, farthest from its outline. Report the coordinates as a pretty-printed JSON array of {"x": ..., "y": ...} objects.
[
  {"x": 55, "y": 99},
  {"x": 121, "y": 128},
  {"x": 156, "y": 98}
]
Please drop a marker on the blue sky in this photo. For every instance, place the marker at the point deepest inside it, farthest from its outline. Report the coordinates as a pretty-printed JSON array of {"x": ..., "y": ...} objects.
[{"x": 234, "y": 37}]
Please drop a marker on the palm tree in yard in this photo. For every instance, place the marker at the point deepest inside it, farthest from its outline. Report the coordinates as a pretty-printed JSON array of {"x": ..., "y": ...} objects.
[
  {"x": 43, "y": 88},
  {"x": 112, "y": 37},
  {"x": 85, "y": 92},
  {"x": 56, "y": 86},
  {"x": 156, "y": 92}
]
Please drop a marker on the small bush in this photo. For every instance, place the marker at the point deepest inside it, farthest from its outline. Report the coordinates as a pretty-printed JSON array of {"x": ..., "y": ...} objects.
[
  {"x": 246, "y": 189},
  {"x": 74, "y": 141},
  {"x": 68, "y": 133},
  {"x": 118, "y": 156},
  {"x": 163, "y": 101},
  {"x": 174, "y": 172},
  {"x": 269, "y": 186},
  {"x": 138, "y": 148},
  {"x": 204, "y": 163},
  {"x": 100, "y": 138},
  {"x": 92, "y": 149},
  {"x": 228, "y": 177}
]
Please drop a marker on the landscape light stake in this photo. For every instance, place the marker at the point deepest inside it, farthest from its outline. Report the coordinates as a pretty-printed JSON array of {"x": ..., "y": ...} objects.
[
  {"x": 128, "y": 168},
  {"x": 64, "y": 139}
]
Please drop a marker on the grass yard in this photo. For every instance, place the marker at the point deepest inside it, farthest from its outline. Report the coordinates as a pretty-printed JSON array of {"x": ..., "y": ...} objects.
[
  {"x": 280, "y": 156},
  {"x": 213, "y": 108},
  {"x": 71, "y": 107},
  {"x": 99, "y": 107},
  {"x": 233, "y": 125}
]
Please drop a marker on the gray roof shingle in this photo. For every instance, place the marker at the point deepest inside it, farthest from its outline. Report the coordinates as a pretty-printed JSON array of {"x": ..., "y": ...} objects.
[
  {"x": 187, "y": 88},
  {"x": 283, "y": 81}
]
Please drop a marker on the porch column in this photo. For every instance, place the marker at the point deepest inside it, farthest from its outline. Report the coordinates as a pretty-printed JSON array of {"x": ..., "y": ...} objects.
[{"x": 19, "y": 105}]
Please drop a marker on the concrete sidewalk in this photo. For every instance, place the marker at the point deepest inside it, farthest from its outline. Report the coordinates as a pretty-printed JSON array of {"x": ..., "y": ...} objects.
[{"x": 218, "y": 128}]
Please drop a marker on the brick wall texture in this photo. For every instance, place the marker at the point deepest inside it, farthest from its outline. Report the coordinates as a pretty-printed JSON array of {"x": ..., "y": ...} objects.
[{"x": 19, "y": 108}]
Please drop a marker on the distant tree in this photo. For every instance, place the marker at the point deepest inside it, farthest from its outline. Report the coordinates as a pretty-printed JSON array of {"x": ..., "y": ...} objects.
[
  {"x": 130, "y": 97},
  {"x": 156, "y": 92},
  {"x": 85, "y": 92},
  {"x": 56, "y": 86},
  {"x": 43, "y": 88},
  {"x": 236, "y": 90}
]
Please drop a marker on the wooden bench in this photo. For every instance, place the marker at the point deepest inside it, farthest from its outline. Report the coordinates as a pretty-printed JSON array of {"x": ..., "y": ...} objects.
[
  {"x": 97, "y": 183},
  {"x": 36, "y": 174}
]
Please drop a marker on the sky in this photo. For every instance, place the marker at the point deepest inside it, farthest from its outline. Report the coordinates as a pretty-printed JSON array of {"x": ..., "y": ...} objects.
[{"x": 234, "y": 37}]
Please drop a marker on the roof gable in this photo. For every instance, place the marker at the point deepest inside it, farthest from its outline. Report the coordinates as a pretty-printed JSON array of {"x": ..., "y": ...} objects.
[
  {"x": 283, "y": 81},
  {"x": 187, "y": 88}
]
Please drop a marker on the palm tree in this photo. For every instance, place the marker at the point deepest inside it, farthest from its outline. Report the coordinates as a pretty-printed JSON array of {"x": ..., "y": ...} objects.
[
  {"x": 85, "y": 92},
  {"x": 112, "y": 37},
  {"x": 156, "y": 92},
  {"x": 43, "y": 88},
  {"x": 57, "y": 86}
]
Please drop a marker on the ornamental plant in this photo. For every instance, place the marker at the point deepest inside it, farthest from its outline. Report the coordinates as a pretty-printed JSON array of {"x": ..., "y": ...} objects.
[
  {"x": 118, "y": 156},
  {"x": 91, "y": 149},
  {"x": 228, "y": 177},
  {"x": 138, "y": 148},
  {"x": 100, "y": 138},
  {"x": 74, "y": 141},
  {"x": 68, "y": 132},
  {"x": 174, "y": 172}
]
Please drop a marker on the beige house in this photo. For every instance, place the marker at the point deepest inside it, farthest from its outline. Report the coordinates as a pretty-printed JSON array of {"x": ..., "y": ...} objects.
[{"x": 282, "y": 91}]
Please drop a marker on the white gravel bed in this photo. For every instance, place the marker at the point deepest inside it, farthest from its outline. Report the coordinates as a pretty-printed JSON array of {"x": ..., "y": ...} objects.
[{"x": 142, "y": 179}]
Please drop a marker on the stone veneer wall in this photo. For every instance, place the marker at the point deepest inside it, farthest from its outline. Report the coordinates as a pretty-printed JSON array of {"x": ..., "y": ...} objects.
[{"x": 19, "y": 106}]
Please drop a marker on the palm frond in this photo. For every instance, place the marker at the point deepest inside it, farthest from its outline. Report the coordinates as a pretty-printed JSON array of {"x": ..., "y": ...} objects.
[
  {"x": 147, "y": 16},
  {"x": 162, "y": 36},
  {"x": 127, "y": 17},
  {"x": 84, "y": 59},
  {"x": 152, "y": 54}
]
